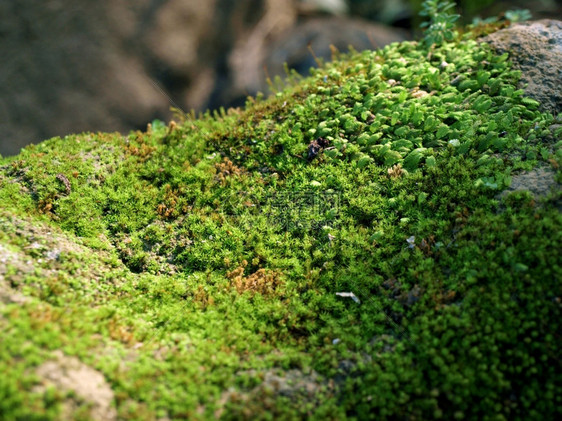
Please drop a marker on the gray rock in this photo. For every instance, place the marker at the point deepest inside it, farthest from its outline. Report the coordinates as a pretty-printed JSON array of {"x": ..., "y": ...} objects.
[
  {"x": 535, "y": 48},
  {"x": 540, "y": 182},
  {"x": 293, "y": 45},
  {"x": 68, "y": 68},
  {"x": 335, "y": 7}
]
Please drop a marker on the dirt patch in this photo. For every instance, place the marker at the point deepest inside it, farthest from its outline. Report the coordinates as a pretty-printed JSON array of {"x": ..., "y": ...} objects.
[{"x": 88, "y": 385}]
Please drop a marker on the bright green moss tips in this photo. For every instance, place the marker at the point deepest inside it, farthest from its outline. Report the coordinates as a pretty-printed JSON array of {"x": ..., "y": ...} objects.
[
  {"x": 410, "y": 99},
  {"x": 347, "y": 248}
]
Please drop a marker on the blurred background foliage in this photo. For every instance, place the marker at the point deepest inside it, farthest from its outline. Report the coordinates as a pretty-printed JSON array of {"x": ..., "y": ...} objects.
[{"x": 114, "y": 65}]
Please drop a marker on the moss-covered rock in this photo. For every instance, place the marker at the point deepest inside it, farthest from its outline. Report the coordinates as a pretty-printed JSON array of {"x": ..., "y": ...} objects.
[{"x": 339, "y": 250}]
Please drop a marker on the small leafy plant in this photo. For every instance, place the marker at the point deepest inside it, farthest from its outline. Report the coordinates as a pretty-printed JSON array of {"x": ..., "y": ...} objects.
[
  {"x": 518, "y": 15},
  {"x": 441, "y": 24}
]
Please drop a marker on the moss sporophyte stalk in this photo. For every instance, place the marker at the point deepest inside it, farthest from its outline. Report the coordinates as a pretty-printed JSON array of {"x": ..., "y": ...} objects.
[{"x": 338, "y": 250}]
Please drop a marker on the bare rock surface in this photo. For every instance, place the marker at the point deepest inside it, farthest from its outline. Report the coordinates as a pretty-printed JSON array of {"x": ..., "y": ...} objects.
[
  {"x": 535, "y": 48},
  {"x": 539, "y": 181}
]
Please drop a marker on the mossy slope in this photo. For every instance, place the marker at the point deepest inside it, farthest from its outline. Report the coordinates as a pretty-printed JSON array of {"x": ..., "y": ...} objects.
[{"x": 197, "y": 265}]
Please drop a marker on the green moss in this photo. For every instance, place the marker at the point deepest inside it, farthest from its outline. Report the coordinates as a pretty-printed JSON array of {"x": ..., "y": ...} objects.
[{"x": 190, "y": 263}]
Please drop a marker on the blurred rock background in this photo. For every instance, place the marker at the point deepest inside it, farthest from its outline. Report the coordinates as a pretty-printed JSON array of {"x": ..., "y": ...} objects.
[{"x": 68, "y": 66}]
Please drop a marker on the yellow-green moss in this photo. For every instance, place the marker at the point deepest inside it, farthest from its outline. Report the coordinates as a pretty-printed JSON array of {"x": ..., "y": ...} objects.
[{"x": 195, "y": 264}]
